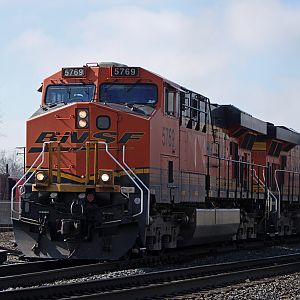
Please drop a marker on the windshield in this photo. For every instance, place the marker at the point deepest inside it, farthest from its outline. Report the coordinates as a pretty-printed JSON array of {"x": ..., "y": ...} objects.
[
  {"x": 128, "y": 93},
  {"x": 69, "y": 93}
]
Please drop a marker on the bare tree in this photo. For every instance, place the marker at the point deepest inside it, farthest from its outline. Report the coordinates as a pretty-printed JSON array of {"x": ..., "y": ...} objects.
[{"x": 14, "y": 162}]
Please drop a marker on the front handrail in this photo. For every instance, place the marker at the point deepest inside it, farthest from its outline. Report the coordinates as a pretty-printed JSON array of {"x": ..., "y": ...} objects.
[
  {"x": 143, "y": 184},
  {"x": 21, "y": 187},
  {"x": 126, "y": 172},
  {"x": 42, "y": 157}
]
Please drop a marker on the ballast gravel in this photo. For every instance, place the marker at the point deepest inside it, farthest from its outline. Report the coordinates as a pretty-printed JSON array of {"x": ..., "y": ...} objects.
[
  {"x": 285, "y": 287},
  {"x": 7, "y": 241}
]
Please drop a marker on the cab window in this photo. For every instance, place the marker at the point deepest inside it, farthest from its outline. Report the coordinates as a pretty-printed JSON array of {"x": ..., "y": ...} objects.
[
  {"x": 69, "y": 93},
  {"x": 137, "y": 93},
  {"x": 171, "y": 102}
]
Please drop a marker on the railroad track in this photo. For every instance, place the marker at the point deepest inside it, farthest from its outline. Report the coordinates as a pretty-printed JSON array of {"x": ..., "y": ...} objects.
[
  {"x": 11, "y": 251},
  {"x": 37, "y": 273},
  {"x": 169, "y": 282}
]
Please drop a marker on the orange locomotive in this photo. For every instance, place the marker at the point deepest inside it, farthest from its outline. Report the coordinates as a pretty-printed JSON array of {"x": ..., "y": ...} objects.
[{"x": 121, "y": 160}]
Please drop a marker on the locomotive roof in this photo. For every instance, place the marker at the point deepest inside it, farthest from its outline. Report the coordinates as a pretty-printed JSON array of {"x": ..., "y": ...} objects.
[
  {"x": 228, "y": 116},
  {"x": 283, "y": 133}
]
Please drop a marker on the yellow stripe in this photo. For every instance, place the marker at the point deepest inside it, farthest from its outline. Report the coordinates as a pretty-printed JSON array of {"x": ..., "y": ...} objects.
[
  {"x": 136, "y": 171},
  {"x": 259, "y": 146}
]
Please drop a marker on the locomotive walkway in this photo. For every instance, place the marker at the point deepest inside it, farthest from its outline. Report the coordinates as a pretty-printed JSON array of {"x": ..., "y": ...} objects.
[{"x": 169, "y": 282}]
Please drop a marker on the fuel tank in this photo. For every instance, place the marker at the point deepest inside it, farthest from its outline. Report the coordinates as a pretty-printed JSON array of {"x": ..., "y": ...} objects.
[{"x": 210, "y": 225}]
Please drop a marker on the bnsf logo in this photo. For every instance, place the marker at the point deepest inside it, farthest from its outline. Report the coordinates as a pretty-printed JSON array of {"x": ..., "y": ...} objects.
[{"x": 75, "y": 137}]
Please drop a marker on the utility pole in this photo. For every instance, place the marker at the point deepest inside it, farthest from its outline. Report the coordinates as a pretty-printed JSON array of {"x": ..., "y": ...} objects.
[{"x": 24, "y": 157}]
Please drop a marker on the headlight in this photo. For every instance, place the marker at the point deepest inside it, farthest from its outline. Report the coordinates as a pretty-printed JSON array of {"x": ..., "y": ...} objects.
[
  {"x": 41, "y": 178},
  {"x": 105, "y": 177},
  {"x": 82, "y": 118},
  {"x": 82, "y": 123},
  {"x": 82, "y": 114}
]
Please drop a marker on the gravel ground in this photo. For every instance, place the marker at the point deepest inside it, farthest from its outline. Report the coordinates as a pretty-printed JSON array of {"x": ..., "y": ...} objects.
[
  {"x": 277, "y": 288},
  {"x": 7, "y": 241}
]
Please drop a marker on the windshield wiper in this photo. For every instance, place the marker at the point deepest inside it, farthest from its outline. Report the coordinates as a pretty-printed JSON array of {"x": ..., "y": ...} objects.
[
  {"x": 50, "y": 105},
  {"x": 136, "y": 108}
]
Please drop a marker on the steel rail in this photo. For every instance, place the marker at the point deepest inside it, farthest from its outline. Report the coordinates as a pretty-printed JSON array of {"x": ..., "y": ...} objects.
[
  {"x": 19, "y": 275},
  {"x": 163, "y": 282},
  {"x": 11, "y": 251},
  {"x": 37, "y": 266}
]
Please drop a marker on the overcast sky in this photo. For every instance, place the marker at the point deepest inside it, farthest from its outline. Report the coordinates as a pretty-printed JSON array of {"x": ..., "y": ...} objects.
[{"x": 244, "y": 53}]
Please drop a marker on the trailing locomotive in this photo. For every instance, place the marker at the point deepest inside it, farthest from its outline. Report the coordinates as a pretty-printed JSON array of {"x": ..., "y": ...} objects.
[{"x": 122, "y": 160}]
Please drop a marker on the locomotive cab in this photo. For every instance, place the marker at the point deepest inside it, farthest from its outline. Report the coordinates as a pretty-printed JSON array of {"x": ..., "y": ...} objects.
[{"x": 86, "y": 190}]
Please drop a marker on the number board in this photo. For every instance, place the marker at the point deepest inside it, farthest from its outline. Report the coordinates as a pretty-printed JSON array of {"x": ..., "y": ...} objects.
[
  {"x": 74, "y": 72},
  {"x": 125, "y": 71}
]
